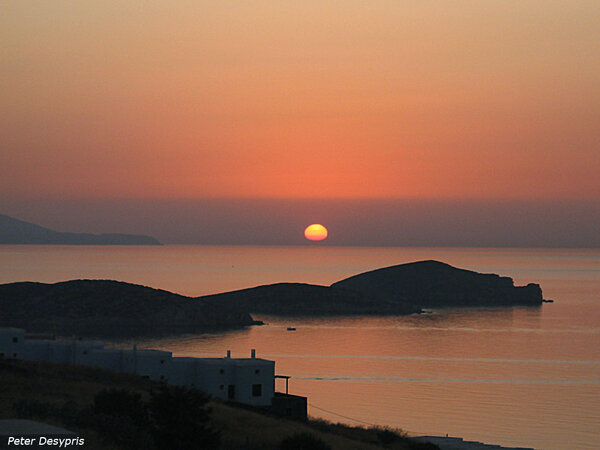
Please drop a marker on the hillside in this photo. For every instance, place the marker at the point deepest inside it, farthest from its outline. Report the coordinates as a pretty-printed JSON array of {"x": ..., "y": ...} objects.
[
  {"x": 63, "y": 395},
  {"x": 17, "y": 232},
  {"x": 109, "y": 308},
  {"x": 436, "y": 284},
  {"x": 306, "y": 299}
]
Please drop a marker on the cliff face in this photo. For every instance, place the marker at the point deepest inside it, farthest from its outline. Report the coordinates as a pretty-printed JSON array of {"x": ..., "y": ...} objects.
[
  {"x": 109, "y": 308},
  {"x": 306, "y": 299},
  {"x": 435, "y": 284}
]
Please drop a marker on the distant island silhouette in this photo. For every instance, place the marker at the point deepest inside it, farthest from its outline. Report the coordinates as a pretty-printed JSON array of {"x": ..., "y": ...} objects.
[
  {"x": 18, "y": 232},
  {"x": 113, "y": 308}
]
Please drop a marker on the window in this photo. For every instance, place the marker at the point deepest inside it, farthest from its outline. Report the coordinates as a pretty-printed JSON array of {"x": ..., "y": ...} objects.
[
  {"x": 257, "y": 390},
  {"x": 162, "y": 361},
  {"x": 222, "y": 371},
  {"x": 257, "y": 371},
  {"x": 15, "y": 340},
  {"x": 85, "y": 352},
  {"x": 14, "y": 355},
  {"x": 231, "y": 392},
  {"x": 222, "y": 387}
]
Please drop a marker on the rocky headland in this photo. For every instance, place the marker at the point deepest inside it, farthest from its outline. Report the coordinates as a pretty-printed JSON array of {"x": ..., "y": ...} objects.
[
  {"x": 299, "y": 299},
  {"x": 433, "y": 284},
  {"x": 105, "y": 308}
]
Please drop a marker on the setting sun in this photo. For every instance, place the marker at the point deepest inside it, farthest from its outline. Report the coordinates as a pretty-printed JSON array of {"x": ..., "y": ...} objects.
[{"x": 315, "y": 232}]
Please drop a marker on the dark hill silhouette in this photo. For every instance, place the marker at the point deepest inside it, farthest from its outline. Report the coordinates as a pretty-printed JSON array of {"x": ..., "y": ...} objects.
[
  {"x": 109, "y": 308},
  {"x": 306, "y": 299},
  {"x": 436, "y": 284},
  {"x": 112, "y": 308},
  {"x": 16, "y": 232}
]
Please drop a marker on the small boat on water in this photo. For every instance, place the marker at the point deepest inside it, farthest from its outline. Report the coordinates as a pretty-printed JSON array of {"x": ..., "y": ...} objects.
[{"x": 291, "y": 329}]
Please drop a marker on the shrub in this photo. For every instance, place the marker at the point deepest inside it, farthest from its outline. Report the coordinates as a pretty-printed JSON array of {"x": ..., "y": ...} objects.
[
  {"x": 121, "y": 402},
  {"x": 303, "y": 441},
  {"x": 180, "y": 419}
]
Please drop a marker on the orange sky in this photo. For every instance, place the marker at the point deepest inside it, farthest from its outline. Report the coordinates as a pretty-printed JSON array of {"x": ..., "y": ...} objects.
[{"x": 408, "y": 99}]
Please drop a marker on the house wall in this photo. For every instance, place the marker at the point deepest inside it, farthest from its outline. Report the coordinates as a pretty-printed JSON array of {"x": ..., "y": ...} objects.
[
  {"x": 37, "y": 350},
  {"x": 180, "y": 371},
  {"x": 153, "y": 364},
  {"x": 215, "y": 376},
  {"x": 290, "y": 406},
  {"x": 11, "y": 342},
  {"x": 218, "y": 377},
  {"x": 109, "y": 359},
  {"x": 60, "y": 352},
  {"x": 261, "y": 373}
]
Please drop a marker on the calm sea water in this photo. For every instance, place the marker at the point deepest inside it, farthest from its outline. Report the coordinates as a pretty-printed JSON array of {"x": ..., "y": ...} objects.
[{"x": 518, "y": 376}]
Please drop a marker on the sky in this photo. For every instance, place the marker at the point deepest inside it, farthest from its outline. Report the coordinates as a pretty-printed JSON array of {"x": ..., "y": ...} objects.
[{"x": 430, "y": 102}]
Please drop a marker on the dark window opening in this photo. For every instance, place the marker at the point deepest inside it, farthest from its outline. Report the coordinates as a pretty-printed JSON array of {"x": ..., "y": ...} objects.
[
  {"x": 85, "y": 352},
  {"x": 231, "y": 392},
  {"x": 15, "y": 340},
  {"x": 257, "y": 371},
  {"x": 222, "y": 387},
  {"x": 162, "y": 361},
  {"x": 257, "y": 390},
  {"x": 14, "y": 355},
  {"x": 222, "y": 371}
]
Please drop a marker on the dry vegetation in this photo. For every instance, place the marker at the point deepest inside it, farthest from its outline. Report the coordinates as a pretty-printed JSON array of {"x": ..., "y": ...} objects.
[{"x": 53, "y": 393}]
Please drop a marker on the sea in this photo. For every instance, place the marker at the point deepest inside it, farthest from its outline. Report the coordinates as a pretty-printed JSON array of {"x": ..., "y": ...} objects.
[{"x": 520, "y": 376}]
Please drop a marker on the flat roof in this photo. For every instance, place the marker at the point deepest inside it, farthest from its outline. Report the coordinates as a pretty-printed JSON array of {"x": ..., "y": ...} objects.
[
  {"x": 229, "y": 361},
  {"x": 128, "y": 351}
]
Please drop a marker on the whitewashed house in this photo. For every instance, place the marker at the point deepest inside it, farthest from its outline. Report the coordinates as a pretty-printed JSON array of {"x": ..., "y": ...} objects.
[
  {"x": 244, "y": 380},
  {"x": 60, "y": 351},
  {"x": 11, "y": 342},
  {"x": 150, "y": 363}
]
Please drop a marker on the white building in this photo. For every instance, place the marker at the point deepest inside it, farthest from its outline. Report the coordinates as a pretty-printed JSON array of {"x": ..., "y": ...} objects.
[
  {"x": 149, "y": 363},
  {"x": 244, "y": 380},
  {"x": 60, "y": 351},
  {"x": 11, "y": 342}
]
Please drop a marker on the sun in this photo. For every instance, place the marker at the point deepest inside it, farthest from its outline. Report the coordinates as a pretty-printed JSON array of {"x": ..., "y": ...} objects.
[{"x": 315, "y": 232}]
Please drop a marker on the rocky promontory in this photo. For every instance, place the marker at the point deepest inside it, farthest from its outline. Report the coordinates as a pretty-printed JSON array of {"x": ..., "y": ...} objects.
[
  {"x": 110, "y": 308},
  {"x": 396, "y": 290},
  {"x": 299, "y": 299},
  {"x": 431, "y": 284}
]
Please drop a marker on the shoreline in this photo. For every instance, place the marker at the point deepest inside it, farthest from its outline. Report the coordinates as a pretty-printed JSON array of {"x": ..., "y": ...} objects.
[{"x": 458, "y": 443}]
